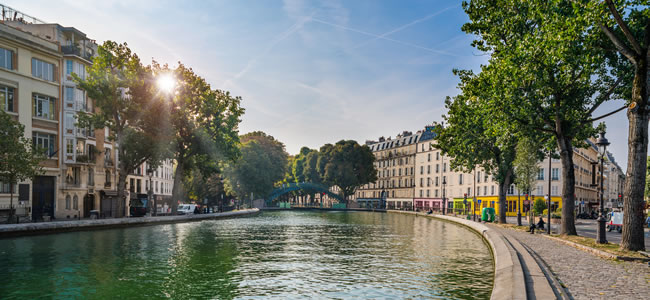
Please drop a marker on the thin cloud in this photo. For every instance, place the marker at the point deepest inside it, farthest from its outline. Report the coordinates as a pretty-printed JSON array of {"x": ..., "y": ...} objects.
[
  {"x": 384, "y": 38},
  {"x": 420, "y": 20}
]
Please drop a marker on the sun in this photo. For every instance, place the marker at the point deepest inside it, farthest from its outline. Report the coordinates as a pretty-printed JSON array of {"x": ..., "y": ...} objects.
[{"x": 166, "y": 83}]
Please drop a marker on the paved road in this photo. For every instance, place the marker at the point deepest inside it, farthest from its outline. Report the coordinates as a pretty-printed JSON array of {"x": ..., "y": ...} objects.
[
  {"x": 585, "y": 275},
  {"x": 587, "y": 228}
]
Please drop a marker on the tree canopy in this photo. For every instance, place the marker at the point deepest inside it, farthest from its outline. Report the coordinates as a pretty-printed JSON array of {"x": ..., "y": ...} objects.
[{"x": 347, "y": 165}]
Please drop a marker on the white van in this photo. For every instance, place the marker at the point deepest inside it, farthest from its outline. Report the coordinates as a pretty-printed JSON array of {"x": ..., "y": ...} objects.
[{"x": 186, "y": 209}]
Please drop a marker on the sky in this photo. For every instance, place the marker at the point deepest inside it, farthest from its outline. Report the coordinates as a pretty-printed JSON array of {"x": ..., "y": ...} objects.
[{"x": 308, "y": 72}]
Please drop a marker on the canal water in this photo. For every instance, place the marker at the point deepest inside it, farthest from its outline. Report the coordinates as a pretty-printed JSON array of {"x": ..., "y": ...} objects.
[{"x": 282, "y": 255}]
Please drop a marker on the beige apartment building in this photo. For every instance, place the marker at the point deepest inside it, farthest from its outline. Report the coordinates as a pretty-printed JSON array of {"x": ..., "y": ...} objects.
[
  {"x": 395, "y": 163},
  {"x": 30, "y": 91},
  {"x": 435, "y": 184}
]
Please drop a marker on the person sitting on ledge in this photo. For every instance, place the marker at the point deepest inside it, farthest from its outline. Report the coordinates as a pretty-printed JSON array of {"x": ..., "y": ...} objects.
[
  {"x": 429, "y": 212},
  {"x": 541, "y": 223}
]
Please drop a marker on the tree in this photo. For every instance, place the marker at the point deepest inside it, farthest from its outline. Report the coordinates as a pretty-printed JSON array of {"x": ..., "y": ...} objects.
[
  {"x": 626, "y": 25},
  {"x": 474, "y": 136},
  {"x": 126, "y": 103},
  {"x": 262, "y": 164},
  {"x": 647, "y": 180},
  {"x": 19, "y": 160},
  {"x": 539, "y": 206},
  {"x": 204, "y": 124},
  {"x": 347, "y": 165},
  {"x": 554, "y": 68},
  {"x": 526, "y": 167}
]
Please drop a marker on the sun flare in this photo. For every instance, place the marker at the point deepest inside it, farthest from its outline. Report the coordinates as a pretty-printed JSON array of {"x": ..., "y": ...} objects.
[{"x": 166, "y": 83}]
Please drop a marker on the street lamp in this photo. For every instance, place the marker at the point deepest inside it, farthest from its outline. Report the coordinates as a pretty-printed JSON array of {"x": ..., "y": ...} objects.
[
  {"x": 602, "y": 144},
  {"x": 444, "y": 198}
]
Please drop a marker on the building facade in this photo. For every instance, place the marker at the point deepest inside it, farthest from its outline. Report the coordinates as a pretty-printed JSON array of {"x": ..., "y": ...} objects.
[{"x": 30, "y": 90}]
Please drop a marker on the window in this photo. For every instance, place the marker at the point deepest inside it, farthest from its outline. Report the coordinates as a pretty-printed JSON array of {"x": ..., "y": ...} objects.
[
  {"x": 478, "y": 191},
  {"x": 72, "y": 176},
  {"x": 437, "y": 155},
  {"x": 68, "y": 94},
  {"x": 555, "y": 174},
  {"x": 75, "y": 202},
  {"x": 437, "y": 182},
  {"x": 554, "y": 190},
  {"x": 469, "y": 191},
  {"x": 421, "y": 191},
  {"x": 444, "y": 167},
  {"x": 460, "y": 179},
  {"x": 69, "y": 147},
  {"x": 44, "y": 107},
  {"x": 421, "y": 181},
  {"x": 399, "y": 172},
  {"x": 6, "y": 58},
  {"x": 511, "y": 189},
  {"x": 5, "y": 188},
  {"x": 485, "y": 190},
  {"x": 540, "y": 190},
  {"x": 428, "y": 193},
  {"x": 107, "y": 181},
  {"x": 7, "y": 98},
  {"x": 429, "y": 157},
  {"x": 429, "y": 169},
  {"x": 45, "y": 141},
  {"x": 67, "y": 202},
  {"x": 492, "y": 190},
  {"x": 437, "y": 168},
  {"x": 436, "y": 193},
  {"x": 91, "y": 177},
  {"x": 68, "y": 67},
  {"x": 540, "y": 175},
  {"x": 478, "y": 178},
  {"x": 42, "y": 70}
]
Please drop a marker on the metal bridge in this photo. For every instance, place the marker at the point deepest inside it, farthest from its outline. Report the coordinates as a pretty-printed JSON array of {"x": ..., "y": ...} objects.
[{"x": 286, "y": 188}]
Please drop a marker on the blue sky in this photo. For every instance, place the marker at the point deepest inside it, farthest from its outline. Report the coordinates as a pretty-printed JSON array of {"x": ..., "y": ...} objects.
[{"x": 309, "y": 72}]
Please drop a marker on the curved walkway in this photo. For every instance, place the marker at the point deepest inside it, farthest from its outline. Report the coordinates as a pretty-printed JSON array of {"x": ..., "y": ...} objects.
[
  {"x": 11, "y": 230},
  {"x": 585, "y": 275}
]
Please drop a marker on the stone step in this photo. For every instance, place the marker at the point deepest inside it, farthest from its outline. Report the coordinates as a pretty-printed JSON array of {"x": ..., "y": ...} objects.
[{"x": 537, "y": 284}]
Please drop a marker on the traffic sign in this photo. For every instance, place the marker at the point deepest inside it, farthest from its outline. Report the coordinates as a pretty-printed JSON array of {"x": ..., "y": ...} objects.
[{"x": 479, "y": 201}]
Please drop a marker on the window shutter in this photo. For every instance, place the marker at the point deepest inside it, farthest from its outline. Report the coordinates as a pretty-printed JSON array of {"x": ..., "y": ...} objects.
[
  {"x": 55, "y": 71},
  {"x": 15, "y": 100},
  {"x": 14, "y": 60}
]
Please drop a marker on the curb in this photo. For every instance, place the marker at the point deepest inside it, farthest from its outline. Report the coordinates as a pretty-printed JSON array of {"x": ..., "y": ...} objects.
[
  {"x": 597, "y": 252},
  {"x": 25, "y": 229},
  {"x": 509, "y": 280}
]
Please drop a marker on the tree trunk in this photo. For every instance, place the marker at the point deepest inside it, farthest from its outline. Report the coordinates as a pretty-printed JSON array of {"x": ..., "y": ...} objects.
[
  {"x": 568, "y": 186},
  {"x": 632, "y": 237},
  {"x": 503, "y": 191},
  {"x": 121, "y": 193},
  {"x": 177, "y": 190}
]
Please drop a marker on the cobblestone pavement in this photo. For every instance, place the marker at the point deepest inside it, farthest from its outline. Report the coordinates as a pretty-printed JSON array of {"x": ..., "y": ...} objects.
[{"x": 588, "y": 276}]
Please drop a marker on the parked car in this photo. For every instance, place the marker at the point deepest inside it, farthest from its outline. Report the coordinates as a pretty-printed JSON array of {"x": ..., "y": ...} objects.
[
  {"x": 186, "y": 209},
  {"x": 139, "y": 207}
]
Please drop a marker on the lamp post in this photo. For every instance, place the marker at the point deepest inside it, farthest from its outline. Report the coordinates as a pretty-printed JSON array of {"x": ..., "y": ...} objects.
[
  {"x": 518, "y": 207},
  {"x": 602, "y": 144},
  {"x": 548, "y": 210},
  {"x": 444, "y": 198}
]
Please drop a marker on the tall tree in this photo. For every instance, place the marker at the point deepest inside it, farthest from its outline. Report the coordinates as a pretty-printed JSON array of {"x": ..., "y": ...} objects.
[
  {"x": 474, "y": 136},
  {"x": 347, "y": 165},
  {"x": 19, "y": 160},
  {"x": 205, "y": 125},
  {"x": 262, "y": 164},
  {"x": 126, "y": 102},
  {"x": 526, "y": 167},
  {"x": 554, "y": 67},
  {"x": 626, "y": 25}
]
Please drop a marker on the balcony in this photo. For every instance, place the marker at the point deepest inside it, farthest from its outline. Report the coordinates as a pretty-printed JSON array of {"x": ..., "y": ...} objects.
[
  {"x": 108, "y": 163},
  {"x": 78, "y": 51}
]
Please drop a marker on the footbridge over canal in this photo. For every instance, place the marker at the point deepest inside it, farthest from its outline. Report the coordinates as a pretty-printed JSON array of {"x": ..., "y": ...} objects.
[{"x": 287, "y": 188}]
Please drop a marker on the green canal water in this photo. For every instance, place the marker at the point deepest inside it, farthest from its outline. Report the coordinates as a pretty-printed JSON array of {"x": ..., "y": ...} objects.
[{"x": 280, "y": 255}]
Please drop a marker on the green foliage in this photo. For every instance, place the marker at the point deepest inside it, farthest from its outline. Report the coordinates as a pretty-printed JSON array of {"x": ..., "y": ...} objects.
[
  {"x": 347, "y": 165},
  {"x": 539, "y": 206},
  {"x": 526, "y": 167},
  {"x": 18, "y": 159},
  {"x": 127, "y": 104},
  {"x": 263, "y": 163},
  {"x": 476, "y": 134}
]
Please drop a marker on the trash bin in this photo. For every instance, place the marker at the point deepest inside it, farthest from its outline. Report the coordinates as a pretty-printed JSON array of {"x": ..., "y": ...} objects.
[
  {"x": 488, "y": 214},
  {"x": 94, "y": 214}
]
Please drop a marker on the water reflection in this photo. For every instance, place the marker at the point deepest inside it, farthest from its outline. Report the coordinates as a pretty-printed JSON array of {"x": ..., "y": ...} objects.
[{"x": 275, "y": 255}]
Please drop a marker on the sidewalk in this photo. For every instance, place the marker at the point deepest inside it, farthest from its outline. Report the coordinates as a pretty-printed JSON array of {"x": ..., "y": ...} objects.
[
  {"x": 585, "y": 275},
  {"x": 12, "y": 230}
]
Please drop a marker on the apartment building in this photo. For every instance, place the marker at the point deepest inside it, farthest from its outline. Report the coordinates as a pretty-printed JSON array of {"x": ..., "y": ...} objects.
[
  {"x": 436, "y": 184},
  {"x": 395, "y": 163},
  {"x": 160, "y": 181}
]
